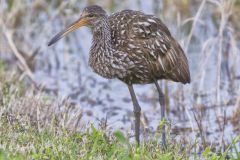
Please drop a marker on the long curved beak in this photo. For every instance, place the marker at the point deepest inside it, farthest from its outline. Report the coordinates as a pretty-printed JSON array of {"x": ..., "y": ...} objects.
[{"x": 79, "y": 23}]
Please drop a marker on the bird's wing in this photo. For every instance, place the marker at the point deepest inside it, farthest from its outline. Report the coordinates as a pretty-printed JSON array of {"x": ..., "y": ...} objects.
[
  {"x": 146, "y": 37},
  {"x": 156, "y": 39}
]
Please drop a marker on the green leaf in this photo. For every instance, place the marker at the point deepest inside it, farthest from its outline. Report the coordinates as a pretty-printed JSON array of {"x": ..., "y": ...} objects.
[
  {"x": 94, "y": 131},
  {"x": 162, "y": 123},
  {"x": 206, "y": 152},
  {"x": 2, "y": 155},
  {"x": 167, "y": 156},
  {"x": 120, "y": 136}
]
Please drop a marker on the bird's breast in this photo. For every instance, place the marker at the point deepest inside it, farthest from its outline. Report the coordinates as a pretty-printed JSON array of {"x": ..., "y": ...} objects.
[{"x": 102, "y": 61}]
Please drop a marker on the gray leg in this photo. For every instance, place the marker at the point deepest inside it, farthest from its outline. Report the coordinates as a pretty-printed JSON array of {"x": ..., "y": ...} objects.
[
  {"x": 137, "y": 113},
  {"x": 162, "y": 103}
]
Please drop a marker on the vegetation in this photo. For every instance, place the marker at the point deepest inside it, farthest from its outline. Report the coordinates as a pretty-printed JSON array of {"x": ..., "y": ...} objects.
[{"x": 23, "y": 136}]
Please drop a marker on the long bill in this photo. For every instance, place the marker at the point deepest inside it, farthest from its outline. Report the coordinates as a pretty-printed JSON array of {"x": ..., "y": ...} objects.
[{"x": 79, "y": 23}]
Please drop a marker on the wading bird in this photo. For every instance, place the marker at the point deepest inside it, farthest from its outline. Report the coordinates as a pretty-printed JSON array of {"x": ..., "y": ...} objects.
[{"x": 135, "y": 48}]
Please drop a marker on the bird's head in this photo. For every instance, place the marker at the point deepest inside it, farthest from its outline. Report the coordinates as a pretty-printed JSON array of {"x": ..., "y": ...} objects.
[{"x": 91, "y": 16}]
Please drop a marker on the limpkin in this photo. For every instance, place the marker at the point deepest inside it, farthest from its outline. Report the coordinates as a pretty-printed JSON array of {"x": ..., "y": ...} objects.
[{"x": 135, "y": 48}]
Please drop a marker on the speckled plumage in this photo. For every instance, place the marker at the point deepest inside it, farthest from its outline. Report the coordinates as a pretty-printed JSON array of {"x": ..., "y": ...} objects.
[{"x": 136, "y": 48}]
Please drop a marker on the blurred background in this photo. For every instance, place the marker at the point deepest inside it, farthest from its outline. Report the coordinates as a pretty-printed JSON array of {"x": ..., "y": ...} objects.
[{"x": 207, "y": 109}]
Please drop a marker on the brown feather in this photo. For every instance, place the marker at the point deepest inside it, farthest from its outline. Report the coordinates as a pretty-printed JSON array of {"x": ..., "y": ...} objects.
[{"x": 149, "y": 44}]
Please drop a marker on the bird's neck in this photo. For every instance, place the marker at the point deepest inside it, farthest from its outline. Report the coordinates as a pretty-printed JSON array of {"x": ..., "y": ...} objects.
[
  {"x": 102, "y": 36},
  {"x": 102, "y": 50}
]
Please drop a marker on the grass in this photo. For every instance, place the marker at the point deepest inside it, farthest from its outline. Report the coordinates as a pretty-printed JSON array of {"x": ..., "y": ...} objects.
[
  {"x": 21, "y": 141},
  {"x": 23, "y": 135}
]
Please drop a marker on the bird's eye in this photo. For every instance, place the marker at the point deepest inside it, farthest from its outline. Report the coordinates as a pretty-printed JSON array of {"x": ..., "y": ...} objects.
[{"x": 91, "y": 15}]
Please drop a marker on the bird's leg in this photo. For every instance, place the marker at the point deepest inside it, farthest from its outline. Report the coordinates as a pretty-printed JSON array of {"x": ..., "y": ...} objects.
[
  {"x": 137, "y": 113},
  {"x": 162, "y": 103}
]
